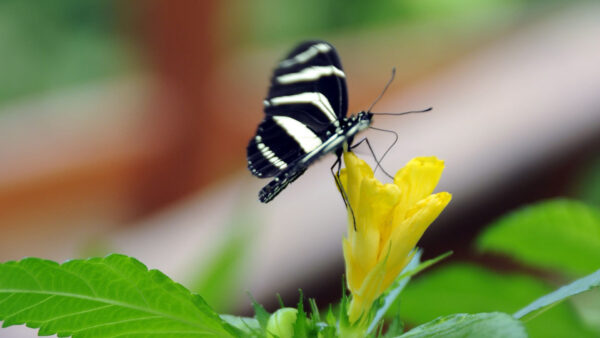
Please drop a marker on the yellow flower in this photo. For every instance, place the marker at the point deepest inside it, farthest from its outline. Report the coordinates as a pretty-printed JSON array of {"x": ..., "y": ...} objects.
[{"x": 390, "y": 220}]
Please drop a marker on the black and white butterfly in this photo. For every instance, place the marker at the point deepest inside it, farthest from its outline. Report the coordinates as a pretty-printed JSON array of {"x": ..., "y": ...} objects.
[{"x": 305, "y": 117}]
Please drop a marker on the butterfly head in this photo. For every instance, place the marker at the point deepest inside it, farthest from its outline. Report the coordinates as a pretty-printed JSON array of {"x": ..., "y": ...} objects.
[{"x": 363, "y": 119}]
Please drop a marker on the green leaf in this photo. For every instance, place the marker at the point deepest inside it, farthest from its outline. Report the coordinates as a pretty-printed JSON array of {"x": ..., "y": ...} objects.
[
  {"x": 587, "y": 185},
  {"x": 343, "y": 319},
  {"x": 261, "y": 315},
  {"x": 581, "y": 285},
  {"x": 396, "y": 289},
  {"x": 395, "y": 328},
  {"x": 315, "y": 316},
  {"x": 247, "y": 326},
  {"x": 100, "y": 297},
  {"x": 424, "y": 265},
  {"x": 587, "y": 307},
  {"x": 329, "y": 331},
  {"x": 300, "y": 326},
  {"x": 557, "y": 234},
  {"x": 494, "y": 324},
  {"x": 463, "y": 288},
  {"x": 330, "y": 317},
  {"x": 413, "y": 267}
]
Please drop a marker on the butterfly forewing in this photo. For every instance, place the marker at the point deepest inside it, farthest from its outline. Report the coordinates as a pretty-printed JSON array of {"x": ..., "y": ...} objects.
[
  {"x": 312, "y": 67},
  {"x": 306, "y": 98}
]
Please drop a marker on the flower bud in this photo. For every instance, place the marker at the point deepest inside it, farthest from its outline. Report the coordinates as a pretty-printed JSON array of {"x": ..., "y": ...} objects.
[{"x": 281, "y": 323}]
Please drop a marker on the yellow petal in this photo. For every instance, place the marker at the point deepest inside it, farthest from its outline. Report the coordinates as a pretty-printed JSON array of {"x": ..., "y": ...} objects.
[
  {"x": 354, "y": 273},
  {"x": 417, "y": 180},
  {"x": 373, "y": 215},
  {"x": 377, "y": 201},
  {"x": 407, "y": 233},
  {"x": 351, "y": 176},
  {"x": 364, "y": 248},
  {"x": 369, "y": 291}
]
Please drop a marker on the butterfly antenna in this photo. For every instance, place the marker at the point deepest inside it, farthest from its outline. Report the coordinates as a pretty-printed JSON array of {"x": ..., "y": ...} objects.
[
  {"x": 384, "y": 89},
  {"x": 406, "y": 112}
]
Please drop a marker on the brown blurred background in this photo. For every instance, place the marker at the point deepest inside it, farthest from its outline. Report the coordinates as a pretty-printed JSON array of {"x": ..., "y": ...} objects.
[{"x": 123, "y": 125}]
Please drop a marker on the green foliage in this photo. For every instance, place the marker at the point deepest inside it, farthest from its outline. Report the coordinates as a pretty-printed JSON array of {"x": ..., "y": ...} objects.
[
  {"x": 296, "y": 20},
  {"x": 261, "y": 315},
  {"x": 343, "y": 320},
  {"x": 470, "y": 289},
  {"x": 581, "y": 285},
  {"x": 557, "y": 234},
  {"x": 587, "y": 187},
  {"x": 395, "y": 328},
  {"x": 422, "y": 266},
  {"x": 248, "y": 327},
  {"x": 330, "y": 318},
  {"x": 389, "y": 297},
  {"x": 300, "y": 327},
  {"x": 587, "y": 307},
  {"x": 58, "y": 43},
  {"x": 289, "y": 322},
  {"x": 465, "y": 325},
  {"x": 560, "y": 235},
  {"x": 115, "y": 295},
  {"x": 316, "y": 315}
]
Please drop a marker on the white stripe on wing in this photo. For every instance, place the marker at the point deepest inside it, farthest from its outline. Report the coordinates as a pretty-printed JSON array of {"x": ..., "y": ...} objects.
[
  {"x": 308, "y": 54},
  {"x": 317, "y": 99},
  {"x": 269, "y": 154},
  {"x": 305, "y": 137},
  {"x": 310, "y": 74}
]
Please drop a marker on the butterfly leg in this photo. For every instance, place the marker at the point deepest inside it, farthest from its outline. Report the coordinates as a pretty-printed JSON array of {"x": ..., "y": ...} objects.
[
  {"x": 378, "y": 161},
  {"x": 336, "y": 177},
  {"x": 388, "y": 149},
  {"x": 358, "y": 143},
  {"x": 338, "y": 183}
]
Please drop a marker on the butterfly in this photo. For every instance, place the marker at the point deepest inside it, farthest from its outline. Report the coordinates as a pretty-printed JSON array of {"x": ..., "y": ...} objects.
[{"x": 305, "y": 117}]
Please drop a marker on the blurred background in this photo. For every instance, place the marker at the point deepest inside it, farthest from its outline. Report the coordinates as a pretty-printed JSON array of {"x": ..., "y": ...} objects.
[{"x": 123, "y": 128}]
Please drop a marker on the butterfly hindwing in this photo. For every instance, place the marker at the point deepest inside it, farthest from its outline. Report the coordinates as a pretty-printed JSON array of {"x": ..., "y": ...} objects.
[
  {"x": 273, "y": 188},
  {"x": 272, "y": 149}
]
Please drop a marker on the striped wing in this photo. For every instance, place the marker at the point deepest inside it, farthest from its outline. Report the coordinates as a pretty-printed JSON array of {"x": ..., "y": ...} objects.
[{"x": 307, "y": 97}]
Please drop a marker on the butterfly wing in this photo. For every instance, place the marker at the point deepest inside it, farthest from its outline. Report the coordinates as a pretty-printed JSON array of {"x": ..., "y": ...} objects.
[
  {"x": 312, "y": 67},
  {"x": 306, "y": 98}
]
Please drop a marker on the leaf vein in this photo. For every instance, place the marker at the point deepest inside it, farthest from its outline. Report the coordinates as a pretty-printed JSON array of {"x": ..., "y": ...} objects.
[
  {"x": 125, "y": 279},
  {"x": 106, "y": 301},
  {"x": 61, "y": 268},
  {"x": 169, "y": 333},
  {"x": 34, "y": 277},
  {"x": 76, "y": 313},
  {"x": 114, "y": 323},
  {"x": 28, "y": 307},
  {"x": 7, "y": 298}
]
